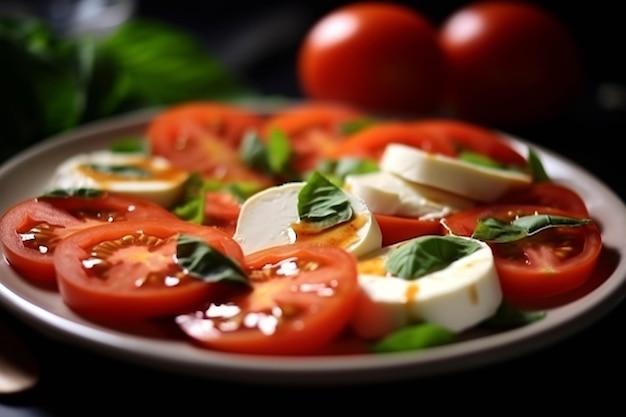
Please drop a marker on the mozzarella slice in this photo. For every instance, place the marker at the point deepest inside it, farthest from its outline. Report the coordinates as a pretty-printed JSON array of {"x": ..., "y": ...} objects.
[
  {"x": 387, "y": 193},
  {"x": 268, "y": 217},
  {"x": 473, "y": 181},
  {"x": 457, "y": 297},
  {"x": 133, "y": 174}
]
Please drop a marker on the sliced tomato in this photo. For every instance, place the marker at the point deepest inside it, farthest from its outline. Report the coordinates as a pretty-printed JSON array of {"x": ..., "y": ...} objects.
[
  {"x": 466, "y": 136},
  {"x": 548, "y": 194},
  {"x": 370, "y": 143},
  {"x": 302, "y": 297},
  {"x": 221, "y": 210},
  {"x": 396, "y": 229},
  {"x": 204, "y": 137},
  {"x": 551, "y": 262},
  {"x": 31, "y": 230},
  {"x": 314, "y": 129},
  {"x": 128, "y": 271}
]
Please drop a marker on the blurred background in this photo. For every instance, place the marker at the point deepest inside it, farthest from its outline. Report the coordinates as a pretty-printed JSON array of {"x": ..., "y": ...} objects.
[{"x": 252, "y": 50}]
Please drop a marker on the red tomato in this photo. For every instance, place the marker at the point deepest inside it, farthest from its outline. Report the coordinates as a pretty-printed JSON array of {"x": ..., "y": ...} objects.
[
  {"x": 127, "y": 271},
  {"x": 509, "y": 63},
  {"x": 31, "y": 230},
  {"x": 314, "y": 129},
  {"x": 546, "y": 264},
  {"x": 396, "y": 229},
  {"x": 548, "y": 194},
  {"x": 221, "y": 210},
  {"x": 370, "y": 143},
  {"x": 379, "y": 56},
  {"x": 204, "y": 137},
  {"x": 466, "y": 136},
  {"x": 302, "y": 297}
]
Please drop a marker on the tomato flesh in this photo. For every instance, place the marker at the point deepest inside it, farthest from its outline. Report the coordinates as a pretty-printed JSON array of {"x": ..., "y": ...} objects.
[
  {"x": 302, "y": 297},
  {"x": 546, "y": 264},
  {"x": 127, "y": 271},
  {"x": 32, "y": 229}
]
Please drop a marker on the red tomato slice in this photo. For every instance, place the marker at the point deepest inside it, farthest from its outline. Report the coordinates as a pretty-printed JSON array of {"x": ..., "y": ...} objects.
[
  {"x": 31, "y": 230},
  {"x": 548, "y": 194},
  {"x": 302, "y": 297},
  {"x": 546, "y": 264},
  {"x": 396, "y": 229},
  {"x": 371, "y": 142},
  {"x": 314, "y": 129},
  {"x": 221, "y": 210},
  {"x": 127, "y": 271},
  {"x": 204, "y": 137},
  {"x": 470, "y": 137}
]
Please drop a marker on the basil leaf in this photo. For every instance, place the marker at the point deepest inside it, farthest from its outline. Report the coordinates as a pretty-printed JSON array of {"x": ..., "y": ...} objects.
[
  {"x": 278, "y": 151},
  {"x": 206, "y": 263},
  {"x": 337, "y": 170},
  {"x": 323, "y": 203},
  {"x": 509, "y": 317},
  {"x": 479, "y": 159},
  {"x": 416, "y": 337},
  {"x": 537, "y": 170},
  {"x": 121, "y": 170},
  {"x": 427, "y": 254},
  {"x": 73, "y": 192},
  {"x": 129, "y": 144},
  {"x": 494, "y": 230}
]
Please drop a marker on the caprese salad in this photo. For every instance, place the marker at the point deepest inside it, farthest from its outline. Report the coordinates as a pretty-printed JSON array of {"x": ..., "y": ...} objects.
[{"x": 300, "y": 231}]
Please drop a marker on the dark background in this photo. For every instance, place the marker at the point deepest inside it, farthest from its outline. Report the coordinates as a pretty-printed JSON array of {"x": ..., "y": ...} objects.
[{"x": 259, "y": 41}]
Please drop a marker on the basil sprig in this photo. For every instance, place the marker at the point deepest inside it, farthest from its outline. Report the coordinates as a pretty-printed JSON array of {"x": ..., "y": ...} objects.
[
  {"x": 494, "y": 230},
  {"x": 206, "y": 263},
  {"x": 427, "y": 254},
  {"x": 322, "y": 203},
  {"x": 420, "y": 336}
]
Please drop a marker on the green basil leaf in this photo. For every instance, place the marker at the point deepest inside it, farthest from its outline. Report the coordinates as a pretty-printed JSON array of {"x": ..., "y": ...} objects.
[
  {"x": 479, "y": 159},
  {"x": 353, "y": 126},
  {"x": 278, "y": 151},
  {"x": 206, "y": 263},
  {"x": 121, "y": 170},
  {"x": 337, "y": 170},
  {"x": 498, "y": 231},
  {"x": 323, "y": 203},
  {"x": 537, "y": 170},
  {"x": 428, "y": 254},
  {"x": 509, "y": 317},
  {"x": 415, "y": 337},
  {"x": 73, "y": 192}
]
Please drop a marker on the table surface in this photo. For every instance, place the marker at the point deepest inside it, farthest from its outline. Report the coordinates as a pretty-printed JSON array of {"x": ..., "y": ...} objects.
[{"x": 73, "y": 378}]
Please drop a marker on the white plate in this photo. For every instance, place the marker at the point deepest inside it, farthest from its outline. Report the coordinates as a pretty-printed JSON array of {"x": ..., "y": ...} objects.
[{"x": 26, "y": 174}]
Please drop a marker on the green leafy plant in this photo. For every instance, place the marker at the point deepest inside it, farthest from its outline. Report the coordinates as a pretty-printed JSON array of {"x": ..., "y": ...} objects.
[{"x": 50, "y": 83}]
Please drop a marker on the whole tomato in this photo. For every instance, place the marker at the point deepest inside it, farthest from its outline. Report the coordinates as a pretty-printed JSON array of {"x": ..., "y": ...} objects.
[
  {"x": 378, "y": 56},
  {"x": 510, "y": 64}
]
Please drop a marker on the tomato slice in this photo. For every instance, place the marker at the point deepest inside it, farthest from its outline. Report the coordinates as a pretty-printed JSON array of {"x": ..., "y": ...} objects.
[
  {"x": 549, "y": 263},
  {"x": 314, "y": 129},
  {"x": 548, "y": 194},
  {"x": 371, "y": 142},
  {"x": 221, "y": 210},
  {"x": 31, "y": 230},
  {"x": 302, "y": 297},
  {"x": 204, "y": 137},
  {"x": 396, "y": 229},
  {"x": 127, "y": 271},
  {"x": 465, "y": 136}
]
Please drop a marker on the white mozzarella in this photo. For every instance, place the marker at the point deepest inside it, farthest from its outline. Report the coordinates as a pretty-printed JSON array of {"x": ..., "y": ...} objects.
[
  {"x": 268, "y": 217},
  {"x": 387, "y": 193},
  {"x": 149, "y": 177},
  {"x": 457, "y": 297},
  {"x": 470, "y": 180}
]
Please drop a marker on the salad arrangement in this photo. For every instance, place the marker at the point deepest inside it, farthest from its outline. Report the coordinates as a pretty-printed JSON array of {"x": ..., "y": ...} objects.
[{"x": 306, "y": 230}]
